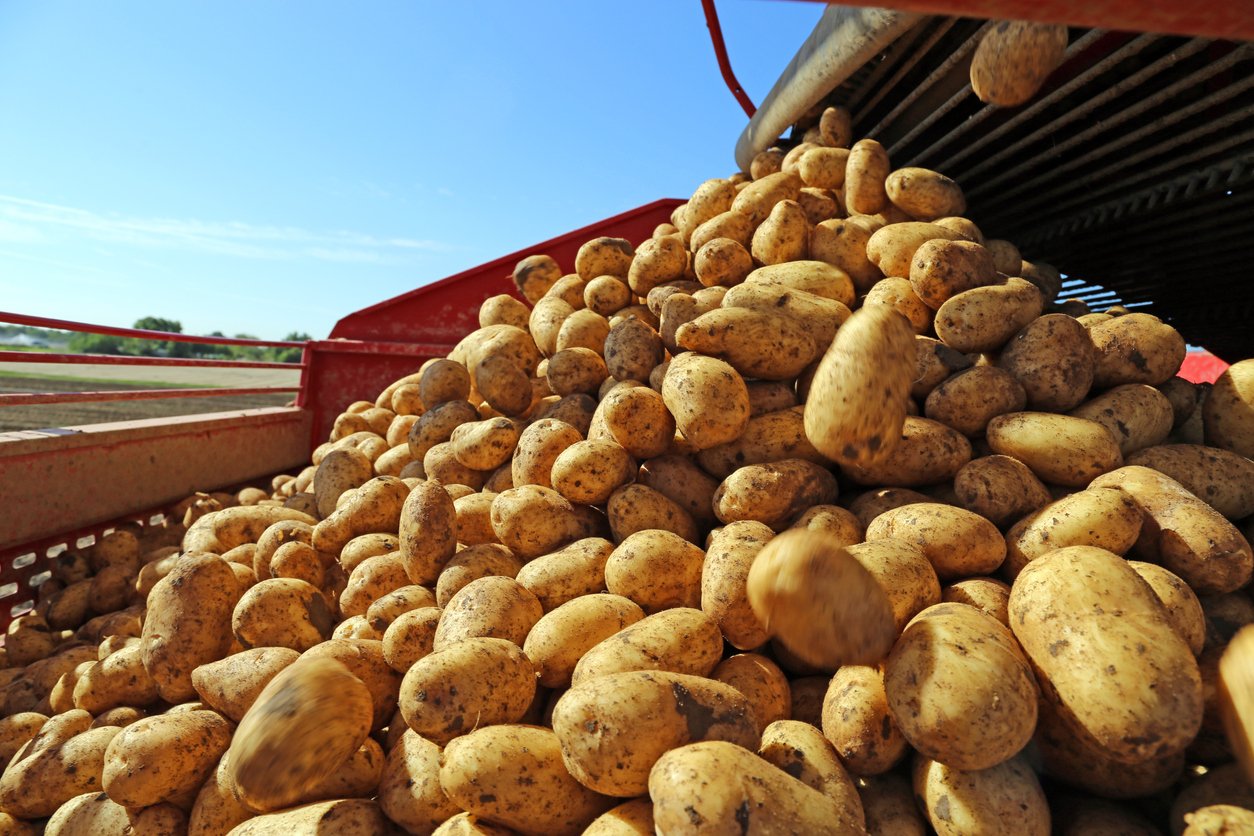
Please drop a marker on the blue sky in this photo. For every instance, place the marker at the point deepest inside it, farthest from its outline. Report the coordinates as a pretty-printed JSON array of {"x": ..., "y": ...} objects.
[{"x": 269, "y": 166}]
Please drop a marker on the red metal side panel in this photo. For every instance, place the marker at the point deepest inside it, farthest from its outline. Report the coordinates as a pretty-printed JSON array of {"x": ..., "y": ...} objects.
[{"x": 447, "y": 310}]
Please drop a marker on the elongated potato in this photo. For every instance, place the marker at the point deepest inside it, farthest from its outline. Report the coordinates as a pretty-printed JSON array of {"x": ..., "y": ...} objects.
[
  {"x": 724, "y": 575},
  {"x": 637, "y": 419},
  {"x": 970, "y": 399},
  {"x": 774, "y": 493},
  {"x": 1053, "y": 358},
  {"x": 1125, "y": 681},
  {"x": 983, "y": 319},
  {"x": 282, "y": 612},
  {"x": 927, "y": 453},
  {"x": 1102, "y": 517},
  {"x": 1136, "y": 348},
  {"x": 493, "y": 606},
  {"x": 639, "y": 716},
  {"x": 350, "y": 816},
  {"x": 960, "y": 689},
  {"x": 800, "y": 750},
  {"x": 1059, "y": 449},
  {"x": 1182, "y": 606},
  {"x": 680, "y": 640},
  {"x": 1137, "y": 415},
  {"x": 635, "y": 509},
  {"x": 857, "y": 720},
  {"x": 532, "y": 520},
  {"x": 231, "y": 685},
  {"x": 690, "y": 797},
  {"x": 163, "y": 758},
  {"x": 560, "y": 639},
  {"x": 94, "y": 812},
  {"x": 563, "y": 575},
  {"x": 959, "y": 802},
  {"x": 514, "y": 775},
  {"x": 942, "y": 269},
  {"x": 656, "y": 569},
  {"x": 44, "y": 777},
  {"x": 409, "y": 791},
  {"x": 1225, "y": 480},
  {"x": 958, "y": 543},
  {"x": 892, "y": 247}
]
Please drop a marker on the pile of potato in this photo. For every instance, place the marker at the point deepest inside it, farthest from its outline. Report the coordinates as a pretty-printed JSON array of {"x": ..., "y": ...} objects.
[{"x": 812, "y": 513}]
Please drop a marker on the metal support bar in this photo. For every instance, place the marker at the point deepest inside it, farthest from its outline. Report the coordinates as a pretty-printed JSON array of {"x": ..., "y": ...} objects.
[{"x": 724, "y": 63}]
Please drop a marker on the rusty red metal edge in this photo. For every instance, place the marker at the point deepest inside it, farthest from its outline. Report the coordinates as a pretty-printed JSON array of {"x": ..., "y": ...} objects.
[
  {"x": 138, "y": 333},
  {"x": 32, "y": 398},
  {"x": 128, "y": 360},
  {"x": 724, "y": 62}
]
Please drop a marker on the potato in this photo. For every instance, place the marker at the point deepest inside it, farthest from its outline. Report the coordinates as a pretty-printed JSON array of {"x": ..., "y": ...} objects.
[
  {"x": 231, "y": 685},
  {"x": 563, "y": 575},
  {"x": 637, "y": 419},
  {"x": 722, "y": 261},
  {"x": 927, "y": 453},
  {"x": 367, "y": 545},
  {"x": 661, "y": 260},
  {"x": 467, "y": 565},
  {"x": 43, "y": 777},
  {"x": 1102, "y": 517},
  {"x": 892, "y": 248},
  {"x": 783, "y": 236},
  {"x": 1000, "y": 489},
  {"x": 857, "y": 721},
  {"x": 1053, "y": 359},
  {"x": 867, "y": 168},
  {"x": 679, "y": 480},
  {"x": 223, "y": 530},
  {"x": 1135, "y": 693},
  {"x": 688, "y": 797},
  {"x": 339, "y": 471},
  {"x": 724, "y": 573},
  {"x": 984, "y": 318},
  {"x": 476, "y": 681},
  {"x": 656, "y": 568},
  {"x": 941, "y": 269},
  {"x": 758, "y": 198},
  {"x": 768, "y": 437},
  {"x": 1225, "y": 785},
  {"x": 888, "y": 803},
  {"x": 734, "y": 226},
  {"x": 532, "y": 520},
  {"x": 773, "y": 493},
  {"x": 1225, "y": 480},
  {"x": 1069, "y": 759},
  {"x": 819, "y": 601},
  {"x": 960, "y": 689},
  {"x": 1228, "y": 411},
  {"x": 409, "y": 791},
  {"x": 187, "y": 621},
  {"x": 606, "y": 295},
  {"x": 679, "y": 640},
  {"x": 474, "y": 519},
  {"x": 534, "y": 275},
  {"x": 582, "y": 329},
  {"x": 15, "y": 731},
  {"x": 1182, "y": 606},
  {"x": 896, "y": 293},
  {"x": 313, "y": 699},
  {"x": 801, "y": 751},
  {"x": 603, "y": 256},
  {"x": 575, "y": 370},
  {"x": 959, "y": 802},
  {"x": 1183, "y": 533},
  {"x": 163, "y": 758},
  {"x": 856, "y": 404},
  {"x": 118, "y": 680},
  {"x": 638, "y": 716},
  {"x": 373, "y": 578},
  {"x": 410, "y": 637},
  {"x": 490, "y": 607},
  {"x": 1136, "y": 415},
  {"x": 924, "y": 194},
  {"x": 589, "y": 471},
  {"x": 819, "y": 204},
  {"x": 760, "y": 345},
  {"x": 956, "y": 542},
  {"x": 1059, "y": 449},
  {"x": 935, "y": 362},
  {"x": 712, "y": 198},
  {"x": 427, "y": 532},
  {"x": 631, "y": 818},
  {"x": 762, "y": 683},
  {"x": 631, "y": 350},
  {"x": 1136, "y": 348},
  {"x": 280, "y": 612},
  {"x": 350, "y": 816},
  {"x": 485, "y": 445},
  {"x": 292, "y": 560},
  {"x": 970, "y": 399},
  {"x": 708, "y": 399},
  {"x": 823, "y": 168},
  {"x": 818, "y": 300},
  {"x": 903, "y": 572},
  {"x": 560, "y": 638},
  {"x": 375, "y": 507}
]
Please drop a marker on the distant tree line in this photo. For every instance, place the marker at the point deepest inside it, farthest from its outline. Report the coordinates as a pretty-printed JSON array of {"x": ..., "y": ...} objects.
[{"x": 106, "y": 344}]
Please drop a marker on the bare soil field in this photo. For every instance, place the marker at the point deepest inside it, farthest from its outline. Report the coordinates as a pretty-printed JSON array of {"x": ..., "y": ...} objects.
[{"x": 24, "y": 377}]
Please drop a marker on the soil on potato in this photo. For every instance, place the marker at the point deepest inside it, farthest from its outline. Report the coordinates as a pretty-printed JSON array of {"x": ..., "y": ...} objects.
[{"x": 45, "y": 416}]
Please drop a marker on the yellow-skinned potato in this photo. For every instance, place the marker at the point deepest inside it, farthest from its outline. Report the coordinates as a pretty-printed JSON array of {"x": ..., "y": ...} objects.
[
  {"x": 469, "y": 564},
  {"x": 638, "y": 420},
  {"x": 1102, "y": 517},
  {"x": 582, "y": 329},
  {"x": 764, "y": 163},
  {"x": 774, "y": 493},
  {"x": 443, "y": 381},
  {"x": 632, "y": 349},
  {"x": 503, "y": 309},
  {"x": 441, "y": 465},
  {"x": 843, "y": 244},
  {"x": 231, "y": 685},
  {"x": 369, "y": 581},
  {"x": 410, "y": 637},
  {"x": 375, "y": 507},
  {"x": 1228, "y": 411},
  {"x": 560, "y": 638},
  {"x": 313, "y": 701},
  {"x": 427, "y": 529},
  {"x": 538, "y": 447},
  {"x": 924, "y": 194},
  {"x": 534, "y": 275},
  {"x": 606, "y": 295},
  {"x": 409, "y": 790},
  {"x": 1000, "y": 489},
  {"x": 1127, "y": 684},
  {"x": 485, "y": 445},
  {"x": 891, "y": 248},
  {"x": 221, "y": 531},
  {"x": 639, "y": 716},
  {"x": 163, "y": 758},
  {"x": 1013, "y": 60},
  {"x": 960, "y": 689},
  {"x": 835, "y": 127},
  {"x": 532, "y": 520},
  {"x": 1059, "y": 449},
  {"x": 16, "y": 730},
  {"x": 1053, "y": 358},
  {"x": 832, "y": 520},
  {"x": 680, "y": 480},
  {"x": 657, "y": 569},
  {"x": 1136, "y": 348},
  {"x": 759, "y": 345},
  {"x": 474, "y": 519},
  {"x": 812, "y": 307},
  {"x": 546, "y": 321},
  {"x": 711, "y": 199},
  {"x": 724, "y": 574},
  {"x": 733, "y": 226},
  {"x": 689, "y": 797},
  {"x": 1137, "y": 415},
  {"x": 514, "y": 775},
  {"x": 857, "y": 721},
  {"x": 857, "y": 402},
  {"x": 927, "y": 453},
  {"x": 823, "y": 168},
  {"x": 959, "y": 802},
  {"x": 757, "y": 199},
  {"x": 722, "y": 261},
  {"x": 576, "y": 370},
  {"x": 867, "y": 168},
  {"x": 43, "y": 777},
  {"x": 339, "y": 471},
  {"x": 819, "y": 601},
  {"x": 819, "y": 204},
  {"x": 903, "y": 571},
  {"x": 281, "y": 612},
  {"x": 563, "y": 575},
  {"x": 942, "y": 269},
  {"x": 769, "y": 437},
  {"x": 477, "y": 681},
  {"x": 708, "y": 399},
  {"x": 983, "y": 319},
  {"x": 679, "y": 640},
  {"x": 1183, "y": 533},
  {"x": 1225, "y": 480},
  {"x": 970, "y": 399},
  {"x": 187, "y": 623},
  {"x": 783, "y": 236},
  {"x": 658, "y": 261},
  {"x": 293, "y": 560},
  {"x": 589, "y": 471},
  {"x": 94, "y": 812},
  {"x": 762, "y": 683},
  {"x": 631, "y": 818},
  {"x": 989, "y": 595},
  {"x": 1180, "y": 602},
  {"x": 935, "y": 362},
  {"x": 604, "y": 256},
  {"x": 119, "y": 679},
  {"x": 492, "y": 606},
  {"x": 956, "y": 542},
  {"x": 437, "y": 424},
  {"x": 800, "y": 750},
  {"x": 350, "y": 816}
]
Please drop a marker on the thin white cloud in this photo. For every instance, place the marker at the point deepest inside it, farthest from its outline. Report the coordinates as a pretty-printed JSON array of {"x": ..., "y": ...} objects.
[{"x": 31, "y": 221}]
